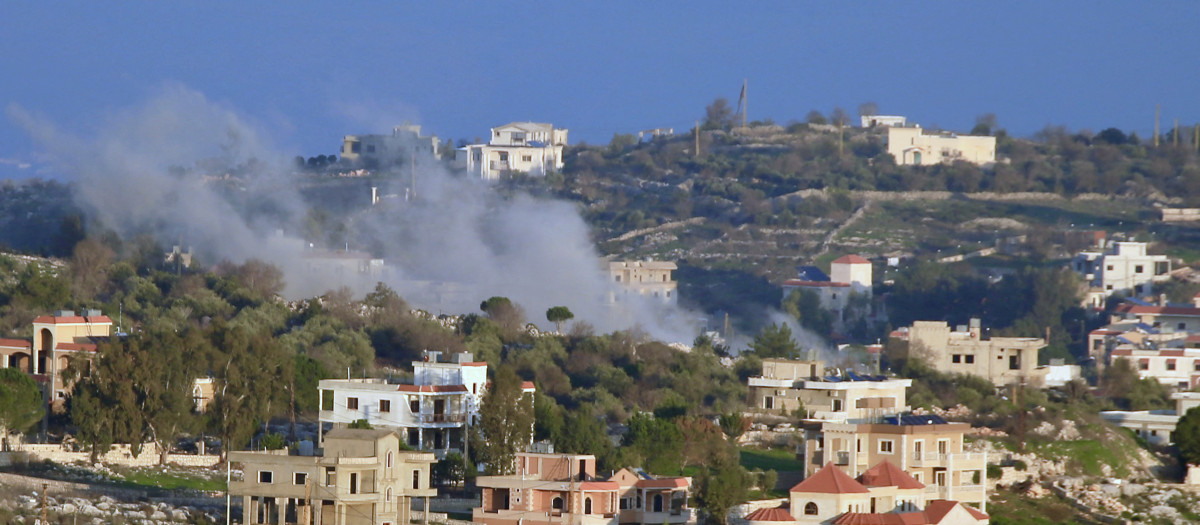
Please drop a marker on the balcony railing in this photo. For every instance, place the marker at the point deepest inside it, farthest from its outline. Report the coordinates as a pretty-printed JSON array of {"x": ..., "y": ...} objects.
[
  {"x": 842, "y": 457},
  {"x": 962, "y": 460},
  {"x": 443, "y": 418},
  {"x": 499, "y": 165}
]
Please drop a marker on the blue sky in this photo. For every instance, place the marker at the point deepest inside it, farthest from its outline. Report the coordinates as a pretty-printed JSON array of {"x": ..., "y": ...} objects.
[{"x": 312, "y": 72}]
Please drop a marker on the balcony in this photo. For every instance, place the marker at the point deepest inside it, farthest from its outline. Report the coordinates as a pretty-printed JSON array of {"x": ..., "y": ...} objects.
[
  {"x": 450, "y": 418},
  {"x": 960, "y": 461},
  {"x": 841, "y": 458},
  {"x": 770, "y": 382}
]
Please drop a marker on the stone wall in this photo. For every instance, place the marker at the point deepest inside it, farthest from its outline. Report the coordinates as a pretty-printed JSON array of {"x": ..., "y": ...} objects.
[{"x": 118, "y": 455}]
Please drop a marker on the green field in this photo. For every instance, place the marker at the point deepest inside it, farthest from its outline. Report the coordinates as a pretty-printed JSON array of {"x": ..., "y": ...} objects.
[{"x": 778, "y": 460}]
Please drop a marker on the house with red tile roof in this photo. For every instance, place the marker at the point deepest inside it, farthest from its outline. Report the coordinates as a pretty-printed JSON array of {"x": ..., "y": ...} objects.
[
  {"x": 56, "y": 339},
  {"x": 883, "y": 494},
  {"x": 646, "y": 499},
  {"x": 846, "y": 291},
  {"x": 549, "y": 488}
]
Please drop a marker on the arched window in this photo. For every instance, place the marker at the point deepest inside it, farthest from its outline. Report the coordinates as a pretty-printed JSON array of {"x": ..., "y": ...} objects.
[
  {"x": 587, "y": 506},
  {"x": 556, "y": 503},
  {"x": 388, "y": 494},
  {"x": 389, "y": 459},
  {"x": 810, "y": 509}
]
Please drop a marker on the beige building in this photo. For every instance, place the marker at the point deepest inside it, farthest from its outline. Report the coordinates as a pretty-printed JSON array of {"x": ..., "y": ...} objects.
[
  {"x": 56, "y": 339},
  {"x": 786, "y": 385},
  {"x": 404, "y": 146},
  {"x": 361, "y": 477},
  {"x": 526, "y": 147},
  {"x": 913, "y": 147},
  {"x": 926, "y": 447},
  {"x": 652, "y": 279},
  {"x": 1002, "y": 360}
]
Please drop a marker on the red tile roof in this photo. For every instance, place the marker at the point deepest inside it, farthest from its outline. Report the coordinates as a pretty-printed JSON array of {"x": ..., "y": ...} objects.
[
  {"x": 771, "y": 514},
  {"x": 1122, "y": 351},
  {"x": 815, "y": 284},
  {"x": 830, "y": 480},
  {"x": 663, "y": 483},
  {"x": 939, "y": 508},
  {"x": 1194, "y": 338},
  {"x": 851, "y": 259},
  {"x": 50, "y": 319},
  {"x": 891, "y": 518},
  {"x": 527, "y": 385},
  {"x": 76, "y": 347},
  {"x": 1165, "y": 310},
  {"x": 16, "y": 343},
  {"x": 1171, "y": 352},
  {"x": 885, "y": 474}
]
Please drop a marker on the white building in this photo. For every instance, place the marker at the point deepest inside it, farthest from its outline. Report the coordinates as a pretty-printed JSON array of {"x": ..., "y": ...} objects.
[
  {"x": 1155, "y": 426},
  {"x": 527, "y": 147},
  {"x": 431, "y": 413},
  {"x": 1120, "y": 268},
  {"x": 890, "y": 121},
  {"x": 913, "y": 147},
  {"x": 400, "y": 148},
  {"x": 850, "y": 277}
]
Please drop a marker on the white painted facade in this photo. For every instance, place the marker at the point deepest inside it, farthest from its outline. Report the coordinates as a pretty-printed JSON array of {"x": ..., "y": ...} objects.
[
  {"x": 526, "y": 147},
  {"x": 913, "y": 147},
  {"x": 1120, "y": 268}
]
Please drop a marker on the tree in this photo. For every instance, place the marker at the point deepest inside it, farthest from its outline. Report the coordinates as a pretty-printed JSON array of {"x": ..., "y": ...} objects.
[
  {"x": 775, "y": 341},
  {"x": 805, "y": 306},
  {"x": 505, "y": 422},
  {"x": 984, "y": 124},
  {"x": 718, "y": 115},
  {"x": 559, "y": 315},
  {"x": 20, "y": 403},
  {"x": 868, "y": 109},
  {"x": 733, "y": 424},
  {"x": 1187, "y": 436},
  {"x": 815, "y": 117},
  {"x": 505, "y": 313},
  {"x": 721, "y": 487},
  {"x": 839, "y": 117},
  {"x": 658, "y": 442}
]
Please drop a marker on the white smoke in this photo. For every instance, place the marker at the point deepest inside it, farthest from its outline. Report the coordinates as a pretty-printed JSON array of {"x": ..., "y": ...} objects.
[{"x": 455, "y": 244}]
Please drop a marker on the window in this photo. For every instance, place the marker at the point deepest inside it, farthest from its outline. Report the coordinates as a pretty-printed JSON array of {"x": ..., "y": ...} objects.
[
  {"x": 416, "y": 479},
  {"x": 330, "y": 476},
  {"x": 970, "y": 359},
  {"x": 327, "y": 400},
  {"x": 1109, "y": 267},
  {"x": 1170, "y": 364},
  {"x": 624, "y": 504},
  {"x": 837, "y": 405},
  {"x": 1014, "y": 362},
  {"x": 943, "y": 447},
  {"x": 527, "y": 158},
  {"x": 1160, "y": 268},
  {"x": 385, "y": 405},
  {"x": 1143, "y": 364},
  {"x": 956, "y": 358},
  {"x": 617, "y": 278},
  {"x": 352, "y": 403},
  {"x": 354, "y": 483},
  {"x": 300, "y": 478},
  {"x": 1108, "y": 287},
  {"x": 265, "y": 476},
  {"x": 768, "y": 402},
  {"x": 1137, "y": 269},
  {"x": 1196, "y": 365},
  {"x": 389, "y": 459},
  {"x": 414, "y": 406},
  {"x": 503, "y": 156},
  {"x": 810, "y": 509},
  {"x": 1181, "y": 326},
  {"x": 557, "y": 503},
  {"x": 587, "y": 505},
  {"x": 1153, "y": 432},
  {"x": 885, "y": 446}
]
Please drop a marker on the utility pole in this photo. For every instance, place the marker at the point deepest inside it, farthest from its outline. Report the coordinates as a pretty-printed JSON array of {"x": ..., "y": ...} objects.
[
  {"x": 697, "y": 150},
  {"x": 1176, "y": 139},
  {"x": 1157, "y": 108},
  {"x": 1196, "y": 137},
  {"x": 841, "y": 139},
  {"x": 745, "y": 99},
  {"x": 45, "y": 487}
]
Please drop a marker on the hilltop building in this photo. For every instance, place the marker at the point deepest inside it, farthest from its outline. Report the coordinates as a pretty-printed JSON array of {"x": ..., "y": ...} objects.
[
  {"x": 882, "y": 121},
  {"x": 431, "y": 413},
  {"x": 786, "y": 385},
  {"x": 654, "y": 279},
  {"x": 927, "y": 448},
  {"x": 360, "y": 477},
  {"x": 1120, "y": 268},
  {"x": 913, "y": 147},
  {"x": 56, "y": 338},
  {"x": 548, "y": 488},
  {"x": 402, "y": 147},
  {"x": 968, "y": 350},
  {"x": 526, "y": 147}
]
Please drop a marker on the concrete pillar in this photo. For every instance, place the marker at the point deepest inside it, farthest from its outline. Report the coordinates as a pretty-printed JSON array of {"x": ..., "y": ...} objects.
[
  {"x": 420, "y": 438},
  {"x": 341, "y": 514},
  {"x": 425, "y": 514},
  {"x": 280, "y": 510},
  {"x": 247, "y": 503}
]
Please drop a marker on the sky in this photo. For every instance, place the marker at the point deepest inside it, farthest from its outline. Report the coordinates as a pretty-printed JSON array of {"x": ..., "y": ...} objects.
[{"x": 307, "y": 73}]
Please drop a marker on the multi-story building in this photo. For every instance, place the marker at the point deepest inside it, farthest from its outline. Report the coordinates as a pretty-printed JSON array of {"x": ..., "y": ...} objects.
[
  {"x": 56, "y": 338},
  {"x": 431, "y": 413},
  {"x": 654, "y": 279},
  {"x": 402, "y": 147},
  {"x": 849, "y": 280},
  {"x": 1120, "y": 268},
  {"x": 882, "y": 494},
  {"x": 549, "y": 488},
  {"x": 526, "y": 147},
  {"x": 1157, "y": 427},
  {"x": 1173, "y": 367},
  {"x": 360, "y": 477},
  {"x": 787, "y": 385},
  {"x": 913, "y": 147},
  {"x": 968, "y": 350},
  {"x": 926, "y": 447},
  {"x": 645, "y": 499}
]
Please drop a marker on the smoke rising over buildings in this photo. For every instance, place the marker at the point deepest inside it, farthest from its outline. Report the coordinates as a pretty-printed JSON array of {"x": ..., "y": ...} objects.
[{"x": 184, "y": 167}]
